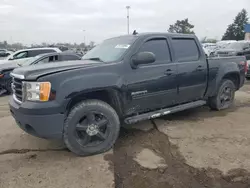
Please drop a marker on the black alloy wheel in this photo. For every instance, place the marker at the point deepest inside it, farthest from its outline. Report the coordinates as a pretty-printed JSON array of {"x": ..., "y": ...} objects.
[
  {"x": 226, "y": 96},
  {"x": 91, "y": 127}
]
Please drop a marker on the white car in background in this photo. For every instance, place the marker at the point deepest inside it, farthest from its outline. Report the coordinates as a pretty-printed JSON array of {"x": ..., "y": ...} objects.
[
  {"x": 224, "y": 43},
  {"x": 209, "y": 48},
  {"x": 25, "y": 54}
]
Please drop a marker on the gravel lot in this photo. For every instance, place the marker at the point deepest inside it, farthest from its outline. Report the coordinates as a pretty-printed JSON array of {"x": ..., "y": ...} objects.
[{"x": 194, "y": 148}]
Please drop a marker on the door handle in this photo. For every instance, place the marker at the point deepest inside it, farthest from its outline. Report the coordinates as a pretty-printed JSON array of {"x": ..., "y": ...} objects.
[
  {"x": 168, "y": 72},
  {"x": 199, "y": 68}
]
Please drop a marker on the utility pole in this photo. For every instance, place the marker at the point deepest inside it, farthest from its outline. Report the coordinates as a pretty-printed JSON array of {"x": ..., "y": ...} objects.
[
  {"x": 84, "y": 37},
  {"x": 128, "y": 7}
]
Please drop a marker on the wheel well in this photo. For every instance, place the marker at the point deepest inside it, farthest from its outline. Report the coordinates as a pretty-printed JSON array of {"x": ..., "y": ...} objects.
[
  {"x": 233, "y": 77},
  {"x": 111, "y": 97}
]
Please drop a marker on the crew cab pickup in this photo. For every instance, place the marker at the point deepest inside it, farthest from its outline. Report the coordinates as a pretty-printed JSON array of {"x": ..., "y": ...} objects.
[{"x": 125, "y": 79}]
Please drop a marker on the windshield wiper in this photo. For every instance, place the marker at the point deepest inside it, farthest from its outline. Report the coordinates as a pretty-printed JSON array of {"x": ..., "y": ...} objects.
[{"x": 95, "y": 59}]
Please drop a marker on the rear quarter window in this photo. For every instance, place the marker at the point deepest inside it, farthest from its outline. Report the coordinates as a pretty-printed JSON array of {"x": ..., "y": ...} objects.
[{"x": 185, "y": 50}]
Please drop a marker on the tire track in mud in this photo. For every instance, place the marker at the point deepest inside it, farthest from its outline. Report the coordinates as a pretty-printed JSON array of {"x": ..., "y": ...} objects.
[{"x": 23, "y": 151}]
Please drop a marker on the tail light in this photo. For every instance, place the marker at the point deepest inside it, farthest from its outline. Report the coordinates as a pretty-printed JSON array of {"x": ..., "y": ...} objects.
[{"x": 245, "y": 64}]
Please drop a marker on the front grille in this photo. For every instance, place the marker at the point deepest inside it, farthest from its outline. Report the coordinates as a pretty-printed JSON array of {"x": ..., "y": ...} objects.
[{"x": 17, "y": 88}]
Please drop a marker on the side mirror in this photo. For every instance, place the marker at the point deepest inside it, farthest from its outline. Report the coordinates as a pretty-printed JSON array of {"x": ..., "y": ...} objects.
[
  {"x": 246, "y": 48},
  {"x": 143, "y": 58}
]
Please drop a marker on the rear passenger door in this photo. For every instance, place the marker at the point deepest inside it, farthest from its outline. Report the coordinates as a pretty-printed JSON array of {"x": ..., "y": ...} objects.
[{"x": 192, "y": 69}]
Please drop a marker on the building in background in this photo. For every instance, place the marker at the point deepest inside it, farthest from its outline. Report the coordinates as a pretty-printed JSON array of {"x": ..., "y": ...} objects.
[{"x": 247, "y": 30}]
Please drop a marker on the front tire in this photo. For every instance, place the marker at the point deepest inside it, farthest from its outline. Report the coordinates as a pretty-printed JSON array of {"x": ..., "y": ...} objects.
[
  {"x": 91, "y": 127},
  {"x": 224, "y": 97},
  {"x": 8, "y": 86}
]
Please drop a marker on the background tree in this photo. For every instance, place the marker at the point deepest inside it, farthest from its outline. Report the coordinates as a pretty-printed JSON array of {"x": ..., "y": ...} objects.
[
  {"x": 181, "y": 26},
  {"x": 235, "y": 31}
]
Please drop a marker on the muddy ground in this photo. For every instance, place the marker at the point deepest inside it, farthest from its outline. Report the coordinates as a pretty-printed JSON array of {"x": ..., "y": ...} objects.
[
  {"x": 201, "y": 148},
  {"x": 196, "y": 148}
]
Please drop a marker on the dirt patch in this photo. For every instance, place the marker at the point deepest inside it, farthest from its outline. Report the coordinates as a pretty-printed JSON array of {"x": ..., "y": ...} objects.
[
  {"x": 4, "y": 107},
  {"x": 216, "y": 142},
  {"x": 55, "y": 169},
  {"x": 149, "y": 159},
  {"x": 178, "y": 174}
]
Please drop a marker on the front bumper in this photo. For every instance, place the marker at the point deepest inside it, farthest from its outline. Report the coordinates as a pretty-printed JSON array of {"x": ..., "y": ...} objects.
[{"x": 36, "y": 119}]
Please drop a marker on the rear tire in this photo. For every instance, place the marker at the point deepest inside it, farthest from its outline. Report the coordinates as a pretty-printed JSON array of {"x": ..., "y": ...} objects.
[
  {"x": 84, "y": 130},
  {"x": 224, "y": 97}
]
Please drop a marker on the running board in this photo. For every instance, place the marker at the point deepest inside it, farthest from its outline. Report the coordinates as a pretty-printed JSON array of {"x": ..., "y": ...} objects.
[{"x": 163, "y": 112}]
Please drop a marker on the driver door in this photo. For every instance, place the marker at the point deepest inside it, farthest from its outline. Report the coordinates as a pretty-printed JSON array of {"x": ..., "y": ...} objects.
[{"x": 152, "y": 86}]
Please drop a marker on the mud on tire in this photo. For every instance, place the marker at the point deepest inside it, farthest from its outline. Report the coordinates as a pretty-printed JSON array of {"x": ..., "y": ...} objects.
[{"x": 224, "y": 97}]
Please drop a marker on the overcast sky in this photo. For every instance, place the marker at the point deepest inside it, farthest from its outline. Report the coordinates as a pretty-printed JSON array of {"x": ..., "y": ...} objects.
[{"x": 36, "y": 21}]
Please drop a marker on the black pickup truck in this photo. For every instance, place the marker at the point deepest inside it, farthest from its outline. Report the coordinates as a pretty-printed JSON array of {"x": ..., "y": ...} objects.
[{"x": 124, "y": 79}]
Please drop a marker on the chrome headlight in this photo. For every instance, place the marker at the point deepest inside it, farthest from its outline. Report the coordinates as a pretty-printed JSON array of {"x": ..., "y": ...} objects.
[{"x": 36, "y": 91}]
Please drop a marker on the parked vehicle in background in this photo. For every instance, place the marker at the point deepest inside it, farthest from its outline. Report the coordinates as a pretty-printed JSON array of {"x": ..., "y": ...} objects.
[
  {"x": 7, "y": 68},
  {"x": 209, "y": 48},
  {"x": 25, "y": 54},
  {"x": 5, "y": 52},
  {"x": 224, "y": 43},
  {"x": 239, "y": 48},
  {"x": 61, "y": 47},
  {"x": 125, "y": 79}
]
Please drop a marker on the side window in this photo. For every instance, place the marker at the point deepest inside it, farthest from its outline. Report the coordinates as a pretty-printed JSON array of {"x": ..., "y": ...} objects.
[
  {"x": 185, "y": 50},
  {"x": 69, "y": 57},
  {"x": 21, "y": 55},
  {"x": 47, "y": 51},
  {"x": 159, "y": 47},
  {"x": 53, "y": 58},
  {"x": 33, "y": 53},
  {"x": 45, "y": 60}
]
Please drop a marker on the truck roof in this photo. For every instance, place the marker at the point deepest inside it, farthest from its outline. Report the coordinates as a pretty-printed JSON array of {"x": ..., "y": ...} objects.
[{"x": 148, "y": 34}]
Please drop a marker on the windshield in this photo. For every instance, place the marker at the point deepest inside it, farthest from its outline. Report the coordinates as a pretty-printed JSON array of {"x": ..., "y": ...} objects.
[
  {"x": 110, "y": 50},
  {"x": 237, "y": 46}
]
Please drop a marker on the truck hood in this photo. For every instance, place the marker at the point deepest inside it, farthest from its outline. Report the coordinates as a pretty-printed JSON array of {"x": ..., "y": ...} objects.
[
  {"x": 8, "y": 65},
  {"x": 34, "y": 71}
]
